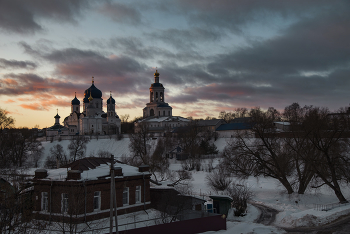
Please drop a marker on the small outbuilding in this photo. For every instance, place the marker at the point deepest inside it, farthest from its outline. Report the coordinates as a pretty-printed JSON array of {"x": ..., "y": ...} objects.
[{"x": 221, "y": 204}]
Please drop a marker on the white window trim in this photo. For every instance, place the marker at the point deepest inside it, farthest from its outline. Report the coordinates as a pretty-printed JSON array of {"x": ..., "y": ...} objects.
[
  {"x": 127, "y": 189},
  {"x": 46, "y": 202},
  {"x": 64, "y": 211},
  {"x": 99, "y": 201},
  {"x": 138, "y": 191}
]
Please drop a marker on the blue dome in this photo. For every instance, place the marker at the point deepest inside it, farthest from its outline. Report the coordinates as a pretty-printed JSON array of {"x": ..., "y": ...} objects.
[
  {"x": 75, "y": 101},
  {"x": 156, "y": 85},
  {"x": 86, "y": 99},
  {"x": 95, "y": 92},
  {"x": 110, "y": 99}
]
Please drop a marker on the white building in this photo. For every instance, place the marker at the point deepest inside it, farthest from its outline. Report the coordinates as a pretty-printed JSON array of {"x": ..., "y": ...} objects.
[
  {"x": 92, "y": 120},
  {"x": 157, "y": 113}
]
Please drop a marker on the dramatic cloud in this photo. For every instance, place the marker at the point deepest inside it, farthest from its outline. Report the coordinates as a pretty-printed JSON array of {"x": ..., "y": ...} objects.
[
  {"x": 121, "y": 13},
  {"x": 185, "y": 39},
  {"x": 235, "y": 15},
  {"x": 26, "y": 16},
  {"x": 122, "y": 72},
  {"x": 9, "y": 64},
  {"x": 32, "y": 84}
]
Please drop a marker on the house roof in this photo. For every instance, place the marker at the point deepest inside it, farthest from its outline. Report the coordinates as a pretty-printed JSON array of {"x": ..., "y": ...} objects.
[
  {"x": 282, "y": 123},
  {"x": 234, "y": 126},
  {"x": 210, "y": 122},
  {"x": 57, "y": 127},
  {"x": 241, "y": 120},
  {"x": 164, "y": 119},
  {"x": 92, "y": 169},
  {"x": 85, "y": 164}
]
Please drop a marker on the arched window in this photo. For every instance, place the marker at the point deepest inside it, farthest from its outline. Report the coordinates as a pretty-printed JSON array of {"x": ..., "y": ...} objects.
[
  {"x": 161, "y": 97},
  {"x": 151, "y": 112},
  {"x": 156, "y": 96},
  {"x": 158, "y": 113},
  {"x": 151, "y": 96}
]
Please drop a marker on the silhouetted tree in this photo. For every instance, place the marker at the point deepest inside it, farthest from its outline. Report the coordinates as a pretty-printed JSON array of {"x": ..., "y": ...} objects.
[{"x": 77, "y": 147}]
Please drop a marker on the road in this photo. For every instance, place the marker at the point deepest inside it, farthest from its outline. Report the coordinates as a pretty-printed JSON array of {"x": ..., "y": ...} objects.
[{"x": 267, "y": 214}]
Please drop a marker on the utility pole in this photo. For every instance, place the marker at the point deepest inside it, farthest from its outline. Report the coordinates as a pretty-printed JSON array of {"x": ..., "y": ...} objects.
[{"x": 113, "y": 201}]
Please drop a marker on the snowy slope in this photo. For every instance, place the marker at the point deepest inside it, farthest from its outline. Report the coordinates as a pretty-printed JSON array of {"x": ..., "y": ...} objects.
[{"x": 118, "y": 148}]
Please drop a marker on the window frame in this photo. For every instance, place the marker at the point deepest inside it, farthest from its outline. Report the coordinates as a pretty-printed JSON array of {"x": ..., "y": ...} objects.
[
  {"x": 45, "y": 201},
  {"x": 126, "y": 191},
  {"x": 98, "y": 197},
  {"x": 64, "y": 203},
  {"x": 138, "y": 194}
]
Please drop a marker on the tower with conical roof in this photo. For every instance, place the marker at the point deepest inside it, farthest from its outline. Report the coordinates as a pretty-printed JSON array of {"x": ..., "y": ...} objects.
[
  {"x": 75, "y": 104},
  {"x": 57, "y": 119},
  {"x": 157, "y": 105}
]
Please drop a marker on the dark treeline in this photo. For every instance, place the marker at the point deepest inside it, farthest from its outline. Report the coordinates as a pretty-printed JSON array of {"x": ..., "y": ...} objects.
[
  {"x": 18, "y": 146},
  {"x": 315, "y": 153}
]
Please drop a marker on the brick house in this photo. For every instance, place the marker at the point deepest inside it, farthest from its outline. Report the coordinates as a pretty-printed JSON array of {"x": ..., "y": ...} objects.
[{"x": 80, "y": 192}]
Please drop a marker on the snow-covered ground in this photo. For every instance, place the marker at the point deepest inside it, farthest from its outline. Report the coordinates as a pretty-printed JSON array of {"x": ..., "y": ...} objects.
[
  {"x": 294, "y": 210},
  {"x": 118, "y": 148}
]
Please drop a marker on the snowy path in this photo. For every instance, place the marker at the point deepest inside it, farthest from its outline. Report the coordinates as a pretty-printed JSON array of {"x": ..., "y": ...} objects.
[{"x": 267, "y": 214}]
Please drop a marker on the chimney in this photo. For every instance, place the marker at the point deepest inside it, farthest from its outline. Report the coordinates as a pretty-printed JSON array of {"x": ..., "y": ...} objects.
[
  {"x": 118, "y": 171},
  {"x": 40, "y": 174},
  {"x": 143, "y": 168},
  {"x": 73, "y": 175}
]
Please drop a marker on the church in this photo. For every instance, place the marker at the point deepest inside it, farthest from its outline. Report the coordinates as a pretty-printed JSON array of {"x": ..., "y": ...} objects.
[
  {"x": 92, "y": 120},
  {"x": 157, "y": 114}
]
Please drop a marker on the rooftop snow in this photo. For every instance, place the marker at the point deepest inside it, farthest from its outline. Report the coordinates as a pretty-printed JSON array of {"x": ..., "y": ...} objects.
[{"x": 93, "y": 174}]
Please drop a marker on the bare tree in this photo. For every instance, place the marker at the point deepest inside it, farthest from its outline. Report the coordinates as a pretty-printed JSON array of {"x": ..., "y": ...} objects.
[
  {"x": 240, "y": 193},
  {"x": 326, "y": 133},
  {"x": 140, "y": 143},
  {"x": 265, "y": 154},
  {"x": 302, "y": 150},
  {"x": 77, "y": 147},
  {"x": 35, "y": 151},
  {"x": 140, "y": 146},
  {"x": 5, "y": 120},
  {"x": 218, "y": 180},
  {"x": 57, "y": 157}
]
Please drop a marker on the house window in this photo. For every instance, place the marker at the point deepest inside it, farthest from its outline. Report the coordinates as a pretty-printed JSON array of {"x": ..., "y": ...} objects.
[
  {"x": 126, "y": 196},
  {"x": 44, "y": 201},
  {"x": 64, "y": 202},
  {"x": 97, "y": 200},
  {"x": 138, "y": 194}
]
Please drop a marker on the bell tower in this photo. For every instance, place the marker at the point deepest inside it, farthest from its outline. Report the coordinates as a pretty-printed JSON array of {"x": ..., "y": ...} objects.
[{"x": 157, "y": 105}]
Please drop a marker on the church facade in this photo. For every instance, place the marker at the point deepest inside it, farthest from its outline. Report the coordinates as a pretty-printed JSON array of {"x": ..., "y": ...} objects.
[
  {"x": 92, "y": 120},
  {"x": 157, "y": 114}
]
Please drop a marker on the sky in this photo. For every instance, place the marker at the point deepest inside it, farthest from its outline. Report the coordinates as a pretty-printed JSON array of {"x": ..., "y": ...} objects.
[{"x": 212, "y": 56}]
